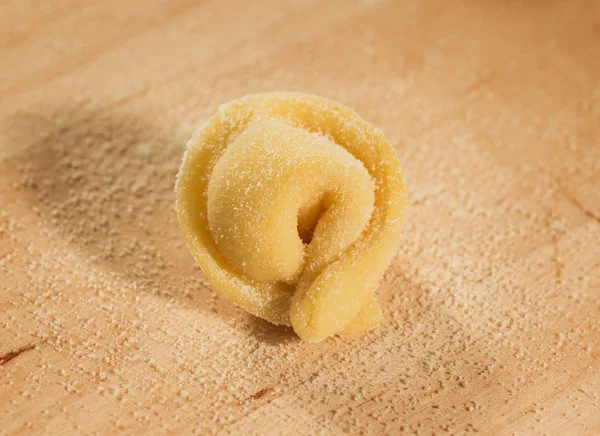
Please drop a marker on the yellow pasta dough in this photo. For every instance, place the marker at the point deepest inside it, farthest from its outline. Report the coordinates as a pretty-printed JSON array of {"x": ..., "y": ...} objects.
[{"x": 292, "y": 206}]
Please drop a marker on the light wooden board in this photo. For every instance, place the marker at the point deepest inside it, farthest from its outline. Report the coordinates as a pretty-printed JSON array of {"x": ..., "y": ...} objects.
[{"x": 492, "y": 304}]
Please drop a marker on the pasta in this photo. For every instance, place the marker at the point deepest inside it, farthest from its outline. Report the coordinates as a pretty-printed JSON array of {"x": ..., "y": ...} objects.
[{"x": 292, "y": 206}]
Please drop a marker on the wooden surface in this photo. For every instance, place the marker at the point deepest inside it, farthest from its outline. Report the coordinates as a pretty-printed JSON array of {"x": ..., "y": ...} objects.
[{"x": 492, "y": 305}]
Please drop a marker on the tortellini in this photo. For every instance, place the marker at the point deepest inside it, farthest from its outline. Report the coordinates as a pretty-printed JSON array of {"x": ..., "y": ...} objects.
[{"x": 292, "y": 205}]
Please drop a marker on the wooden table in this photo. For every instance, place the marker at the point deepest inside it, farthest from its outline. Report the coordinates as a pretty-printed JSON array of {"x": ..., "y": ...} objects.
[{"x": 492, "y": 303}]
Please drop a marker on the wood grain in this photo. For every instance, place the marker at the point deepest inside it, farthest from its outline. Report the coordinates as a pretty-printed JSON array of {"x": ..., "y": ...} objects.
[{"x": 492, "y": 304}]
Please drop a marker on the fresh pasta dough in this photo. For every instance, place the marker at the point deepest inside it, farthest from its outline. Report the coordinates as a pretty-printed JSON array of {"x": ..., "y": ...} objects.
[{"x": 292, "y": 206}]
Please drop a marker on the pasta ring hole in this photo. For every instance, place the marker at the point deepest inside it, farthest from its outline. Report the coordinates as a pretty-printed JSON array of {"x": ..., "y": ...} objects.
[{"x": 308, "y": 218}]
